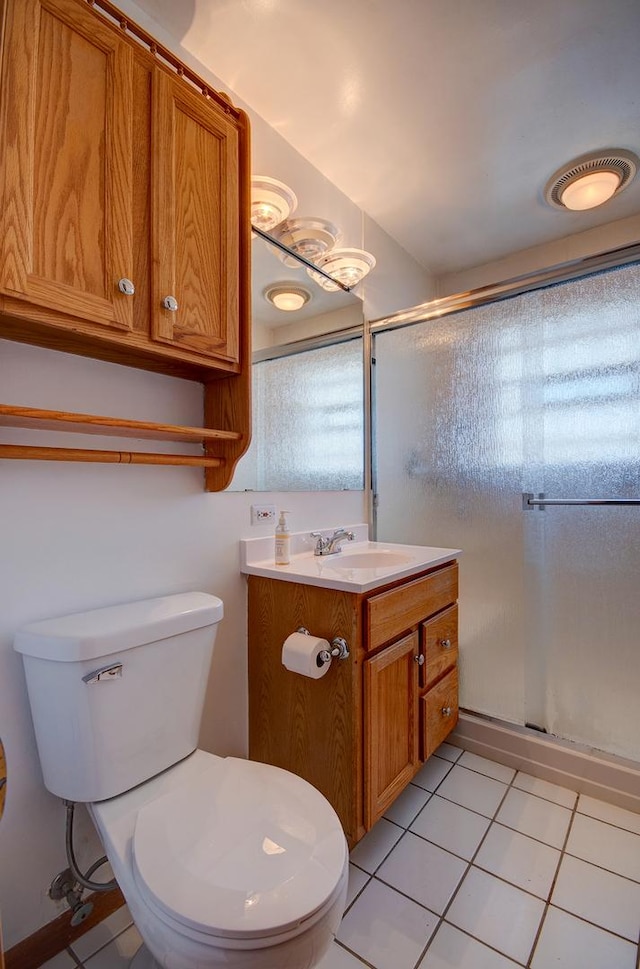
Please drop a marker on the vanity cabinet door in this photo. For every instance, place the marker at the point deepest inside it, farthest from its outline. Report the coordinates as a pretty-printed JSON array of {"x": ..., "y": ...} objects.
[
  {"x": 66, "y": 133},
  {"x": 195, "y": 228},
  {"x": 390, "y": 724}
]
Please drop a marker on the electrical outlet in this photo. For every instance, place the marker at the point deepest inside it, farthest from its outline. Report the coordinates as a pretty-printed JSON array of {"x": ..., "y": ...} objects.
[{"x": 262, "y": 514}]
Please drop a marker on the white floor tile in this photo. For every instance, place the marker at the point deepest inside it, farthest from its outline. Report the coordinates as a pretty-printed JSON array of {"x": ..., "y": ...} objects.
[
  {"x": 386, "y": 929},
  {"x": 451, "y": 826},
  {"x": 452, "y": 949},
  {"x": 339, "y": 958},
  {"x": 496, "y": 913},
  {"x": 472, "y": 790},
  {"x": 628, "y": 820},
  {"x": 449, "y": 752},
  {"x": 376, "y": 845},
  {"x": 531, "y": 815},
  {"x": 569, "y": 943},
  {"x": 62, "y": 961},
  {"x": 423, "y": 871},
  {"x": 545, "y": 789},
  {"x": 606, "y": 846},
  {"x": 103, "y": 933},
  {"x": 598, "y": 896},
  {"x": 357, "y": 880},
  {"x": 489, "y": 767},
  {"x": 119, "y": 953},
  {"x": 407, "y": 805},
  {"x": 433, "y": 772},
  {"x": 520, "y": 860}
]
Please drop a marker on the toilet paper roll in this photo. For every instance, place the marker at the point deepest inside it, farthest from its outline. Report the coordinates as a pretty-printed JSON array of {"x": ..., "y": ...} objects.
[{"x": 301, "y": 654}]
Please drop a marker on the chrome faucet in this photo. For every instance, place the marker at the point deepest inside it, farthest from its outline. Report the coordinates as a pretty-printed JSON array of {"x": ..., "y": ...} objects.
[{"x": 330, "y": 546}]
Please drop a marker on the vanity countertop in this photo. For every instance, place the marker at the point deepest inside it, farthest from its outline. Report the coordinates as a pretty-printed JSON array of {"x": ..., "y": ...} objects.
[{"x": 360, "y": 567}]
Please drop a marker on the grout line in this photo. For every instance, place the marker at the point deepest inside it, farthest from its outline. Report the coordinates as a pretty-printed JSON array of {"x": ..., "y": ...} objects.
[
  {"x": 78, "y": 963},
  {"x": 609, "y": 871},
  {"x": 595, "y": 925}
]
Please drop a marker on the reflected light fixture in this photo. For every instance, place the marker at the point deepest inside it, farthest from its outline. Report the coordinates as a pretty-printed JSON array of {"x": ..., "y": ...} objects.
[
  {"x": 271, "y": 202},
  {"x": 591, "y": 180},
  {"x": 288, "y": 298},
  {"x": 349, "y": 266},
  {"x": 311, "y": 238}
]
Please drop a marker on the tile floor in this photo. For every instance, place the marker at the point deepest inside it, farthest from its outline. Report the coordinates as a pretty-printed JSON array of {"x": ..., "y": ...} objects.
[{"x": 475, "y": 866}]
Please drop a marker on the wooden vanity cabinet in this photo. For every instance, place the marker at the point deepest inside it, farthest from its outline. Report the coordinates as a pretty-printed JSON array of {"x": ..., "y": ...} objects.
[{"x": 362, "y": 731}]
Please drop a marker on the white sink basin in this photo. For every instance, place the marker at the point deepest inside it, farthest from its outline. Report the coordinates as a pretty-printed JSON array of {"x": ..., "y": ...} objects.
[{"x": 368, "y": 560}]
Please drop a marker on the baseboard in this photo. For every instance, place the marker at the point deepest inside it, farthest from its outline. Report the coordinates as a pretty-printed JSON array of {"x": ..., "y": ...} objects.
[
  {"x": 582, "y": 769},
  {"x": 54, "y": 937}
]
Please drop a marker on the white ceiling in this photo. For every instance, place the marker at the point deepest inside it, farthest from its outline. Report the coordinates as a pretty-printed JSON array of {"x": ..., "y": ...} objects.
[{"x": 442, "y": 119}]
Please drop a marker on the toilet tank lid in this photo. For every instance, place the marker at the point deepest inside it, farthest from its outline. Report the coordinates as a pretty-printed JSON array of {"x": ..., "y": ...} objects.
[{"x": 88, "y": 635}]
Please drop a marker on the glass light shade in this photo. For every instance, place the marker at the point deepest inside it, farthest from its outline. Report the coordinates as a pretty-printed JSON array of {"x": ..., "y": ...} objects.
[
  {"x": 288, "y": 298},
  {"x": 271, "y": 202},
  {"x": 311, "y": 238},
  {"x": 590, "y": 190},
  {"x": 349, "y": 266}
]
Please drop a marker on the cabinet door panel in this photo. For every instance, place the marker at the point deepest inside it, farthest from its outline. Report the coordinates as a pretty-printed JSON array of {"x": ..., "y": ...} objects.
[
  {"x": 439, "y": 712},
  {"x": 195, "y": 224},
  {"x": 390, "y": 728},
  {"x": 67, "y": 223}
]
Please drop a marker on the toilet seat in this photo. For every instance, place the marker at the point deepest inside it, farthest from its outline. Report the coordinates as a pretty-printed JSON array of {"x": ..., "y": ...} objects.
[{"x": 242, "y": 852}]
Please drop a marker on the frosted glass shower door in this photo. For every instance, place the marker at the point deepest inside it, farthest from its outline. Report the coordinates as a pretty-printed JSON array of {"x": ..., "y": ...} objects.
[{"x": 538, "y": 393}]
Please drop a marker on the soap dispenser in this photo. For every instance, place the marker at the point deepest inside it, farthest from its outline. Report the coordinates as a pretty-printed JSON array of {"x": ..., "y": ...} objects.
[{"x": 283, "y": 540}]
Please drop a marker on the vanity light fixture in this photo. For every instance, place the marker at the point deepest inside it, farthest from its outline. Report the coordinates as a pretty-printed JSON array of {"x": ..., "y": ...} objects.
[
  {"x": 310, "y": 238},
  {"x": 591, "y": 179},
  {"x": 349, "y": 266},
  {"x": 288, "y": 298},
  {"x": 271, "y": 202}
]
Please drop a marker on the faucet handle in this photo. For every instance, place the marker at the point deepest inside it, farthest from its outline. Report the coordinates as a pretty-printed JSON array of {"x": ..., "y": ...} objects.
[{"x": 321, "y": 541}]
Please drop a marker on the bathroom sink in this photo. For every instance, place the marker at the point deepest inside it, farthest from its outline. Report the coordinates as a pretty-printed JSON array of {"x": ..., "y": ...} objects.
[{"x": 369, "y": 560}]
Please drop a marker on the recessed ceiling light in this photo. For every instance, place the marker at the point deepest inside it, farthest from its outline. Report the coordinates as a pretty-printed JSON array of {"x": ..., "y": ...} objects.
[
  {"x": 288, "y": 298},
  {"x": 591, "y": 180}
]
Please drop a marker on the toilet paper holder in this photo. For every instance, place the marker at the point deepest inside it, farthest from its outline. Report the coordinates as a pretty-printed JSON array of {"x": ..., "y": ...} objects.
[{"x": 339, "y": 648}]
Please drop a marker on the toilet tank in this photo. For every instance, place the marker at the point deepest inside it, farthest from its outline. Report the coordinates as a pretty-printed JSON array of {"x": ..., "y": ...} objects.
[{"x": 116, "y": 694}]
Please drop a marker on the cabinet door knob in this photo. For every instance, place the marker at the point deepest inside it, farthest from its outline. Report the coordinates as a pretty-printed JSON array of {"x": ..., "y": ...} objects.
[
  {"x": 170, "y": 303},
  {"x": 445, "y": 643},
  {"x": 419, "y": 659},
  {"x": 446, "y": 711},
  {"x": 126, "y": 286}
]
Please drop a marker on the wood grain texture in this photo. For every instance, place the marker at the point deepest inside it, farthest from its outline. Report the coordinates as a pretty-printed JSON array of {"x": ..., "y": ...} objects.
[
  {"x": 443, "y": 628},
  {"x": 436, "y": 723},
  {"x": 19, "y": 452},
  {"x": 54, "y": 937},
  {"x": 311, "y": 727},
  {"x": 53, "y": 420},
  {"x": 390, "y": 724},
  {"x": 394, "y": 612}
]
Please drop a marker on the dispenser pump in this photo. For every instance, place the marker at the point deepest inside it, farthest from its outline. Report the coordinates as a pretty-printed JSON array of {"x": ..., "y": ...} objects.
[{"x": 283, "y": 540}]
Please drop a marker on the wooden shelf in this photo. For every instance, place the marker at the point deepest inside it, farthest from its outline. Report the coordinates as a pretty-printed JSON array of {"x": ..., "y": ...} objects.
[{"x": 37, "y": 418}]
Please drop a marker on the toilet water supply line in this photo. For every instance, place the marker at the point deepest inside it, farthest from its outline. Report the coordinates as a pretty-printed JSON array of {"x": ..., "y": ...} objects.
[{"x": 84, "y": 880}]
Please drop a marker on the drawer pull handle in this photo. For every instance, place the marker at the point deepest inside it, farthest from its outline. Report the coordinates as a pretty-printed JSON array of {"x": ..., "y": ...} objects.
[
  {"x": 419, "y": 659},
  {"x": 446, "y": 711},
  {"x": 445, "y": 643}
]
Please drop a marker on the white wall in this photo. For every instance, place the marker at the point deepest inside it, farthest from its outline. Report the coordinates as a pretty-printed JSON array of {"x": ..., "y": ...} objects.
[{"x": 79, "y": 536}]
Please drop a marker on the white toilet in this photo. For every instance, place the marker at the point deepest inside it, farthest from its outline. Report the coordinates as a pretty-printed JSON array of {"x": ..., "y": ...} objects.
[{"x": 222, "y": 861}]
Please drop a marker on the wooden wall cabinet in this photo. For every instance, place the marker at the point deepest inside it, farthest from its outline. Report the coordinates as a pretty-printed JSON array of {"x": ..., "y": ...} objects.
[
  {"x": 125, "y": 195},
  {"x": 362, "y": 731}
]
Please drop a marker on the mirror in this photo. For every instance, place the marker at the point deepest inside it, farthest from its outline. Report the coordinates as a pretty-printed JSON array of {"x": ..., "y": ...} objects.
[
  {"x": 3, "y": 779},
  {"x": 308, "y": 405}
]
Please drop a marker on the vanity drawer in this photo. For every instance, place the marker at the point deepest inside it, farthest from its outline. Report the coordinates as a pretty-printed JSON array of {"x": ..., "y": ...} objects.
[
  {"x": 392, "y": 613},
  {"x": 439, "y": 646},
  {"x": 439, "y": 713}
]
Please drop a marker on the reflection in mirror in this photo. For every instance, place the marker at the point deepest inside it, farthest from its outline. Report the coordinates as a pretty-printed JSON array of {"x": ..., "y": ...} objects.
[{"x": 308, "y": 407}]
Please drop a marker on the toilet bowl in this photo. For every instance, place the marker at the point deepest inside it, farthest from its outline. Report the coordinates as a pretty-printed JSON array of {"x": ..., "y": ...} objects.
[
  {"x": 222, "y": 861},
  {"x": 227, "y": 862}
]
